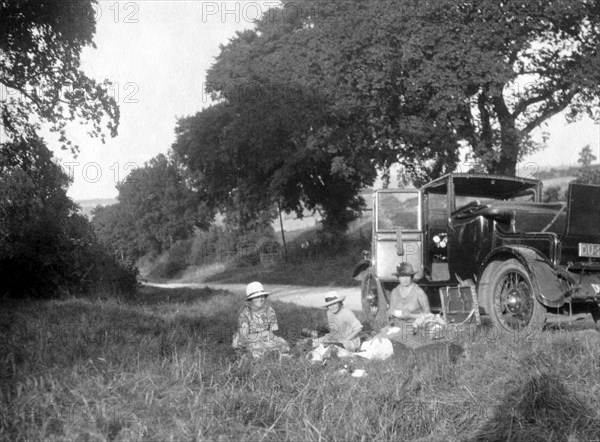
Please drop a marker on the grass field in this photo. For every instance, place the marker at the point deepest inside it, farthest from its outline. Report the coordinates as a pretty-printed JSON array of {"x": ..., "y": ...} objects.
[{"x": 159, "y": 367}]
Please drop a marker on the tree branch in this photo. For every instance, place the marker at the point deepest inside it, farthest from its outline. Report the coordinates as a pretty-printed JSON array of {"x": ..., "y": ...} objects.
[
  {"x": 523, "y": 105},
  {"x": 551, "y": 111}
]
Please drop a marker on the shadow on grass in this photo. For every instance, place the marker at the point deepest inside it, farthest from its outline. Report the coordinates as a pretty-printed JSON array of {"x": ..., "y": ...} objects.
[
  {"x": 541, "y": 408},
  {"x": 156, "y": 325},
  {"x": 291, "y": 318}
]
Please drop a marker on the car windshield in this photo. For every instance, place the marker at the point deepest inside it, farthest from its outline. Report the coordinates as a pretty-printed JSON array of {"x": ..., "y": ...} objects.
[{"x": 463, "y": 200}]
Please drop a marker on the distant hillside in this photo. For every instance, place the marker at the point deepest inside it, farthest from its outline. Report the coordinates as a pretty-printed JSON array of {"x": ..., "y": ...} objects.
[
  {"x": 562, "y": 182},
  {"x": 559, "y": 172},
  {"x": 88, "y": 205}
]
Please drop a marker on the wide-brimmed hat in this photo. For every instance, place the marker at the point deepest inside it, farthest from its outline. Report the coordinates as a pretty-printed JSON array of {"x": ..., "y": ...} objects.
[
  {"x": 404, "y": 269},
  {"x": 332, "y": 298},
  {"x": 254, "y": 290}
]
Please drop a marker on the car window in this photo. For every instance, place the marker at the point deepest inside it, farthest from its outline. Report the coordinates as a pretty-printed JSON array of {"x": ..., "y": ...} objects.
[
  {"x": 397, "y": 210},
  {"x": 527, "y": 197},
  {"x": 437, "y": 212}
]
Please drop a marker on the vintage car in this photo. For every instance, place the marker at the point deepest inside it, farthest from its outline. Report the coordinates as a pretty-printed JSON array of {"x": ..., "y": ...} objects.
[{"x": 525, "y": 259}]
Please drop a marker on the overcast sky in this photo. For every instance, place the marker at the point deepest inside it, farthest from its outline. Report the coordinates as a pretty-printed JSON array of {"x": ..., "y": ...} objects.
[{"x": 157, "y": 53}]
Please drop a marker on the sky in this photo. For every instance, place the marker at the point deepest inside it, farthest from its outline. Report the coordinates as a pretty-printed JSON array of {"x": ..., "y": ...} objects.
[{"x": 157, "y": 54}]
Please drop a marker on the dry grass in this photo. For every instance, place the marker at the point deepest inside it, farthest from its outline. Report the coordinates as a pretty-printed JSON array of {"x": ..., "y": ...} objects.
[
  {"x": 326, "y": 272},
  {"x": 201, "y": 273},
  {"x": 159, "y": 368}
]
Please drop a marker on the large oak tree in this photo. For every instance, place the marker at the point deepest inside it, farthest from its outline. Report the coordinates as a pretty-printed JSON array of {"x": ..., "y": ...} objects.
[{"x": 424, "y": 78}]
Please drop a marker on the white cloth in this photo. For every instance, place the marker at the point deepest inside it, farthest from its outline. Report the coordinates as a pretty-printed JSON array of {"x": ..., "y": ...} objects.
[
  {"x": 378, "y": 348},
  {"x": 321, "y": 353}
]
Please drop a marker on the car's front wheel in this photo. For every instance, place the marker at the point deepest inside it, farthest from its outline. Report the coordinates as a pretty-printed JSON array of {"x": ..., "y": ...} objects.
[
  {"x": 374, "y": 302},
  {"x": 509, "y": 297}
]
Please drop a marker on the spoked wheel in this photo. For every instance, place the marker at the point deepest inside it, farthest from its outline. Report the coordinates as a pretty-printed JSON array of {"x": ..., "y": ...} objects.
[
  {"x": 374, "y": 303},
  {"x": 510, "y": 300}
]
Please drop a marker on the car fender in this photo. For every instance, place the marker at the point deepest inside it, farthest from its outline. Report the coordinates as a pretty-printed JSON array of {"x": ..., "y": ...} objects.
[
  {"x": 359, "y": 269},
  {"x": 548, "y": 287}
]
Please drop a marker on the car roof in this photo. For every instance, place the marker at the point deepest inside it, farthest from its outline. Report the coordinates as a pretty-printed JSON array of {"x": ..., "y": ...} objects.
[{"x": 483, "y": 185}]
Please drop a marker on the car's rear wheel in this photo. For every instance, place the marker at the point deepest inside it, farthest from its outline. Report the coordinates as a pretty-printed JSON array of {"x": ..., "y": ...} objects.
[
  {"x": 509, "y": 297},
  {"x": 374, "y": 303}
]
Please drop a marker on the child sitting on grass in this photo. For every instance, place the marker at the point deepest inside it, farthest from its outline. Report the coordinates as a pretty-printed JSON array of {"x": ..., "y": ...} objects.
[
  {"x": 257, "y": 322},
  {"x": 344, "y": 327}
]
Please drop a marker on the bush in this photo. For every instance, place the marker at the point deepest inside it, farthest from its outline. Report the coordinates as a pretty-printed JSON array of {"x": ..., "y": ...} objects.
[
  {"x": 553, "y": 194},
  {"x": 46, "y": 246}
]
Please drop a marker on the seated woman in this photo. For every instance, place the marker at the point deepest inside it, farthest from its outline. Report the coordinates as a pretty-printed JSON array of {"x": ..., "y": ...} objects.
[
  {"x": 257, "y": 322},
  {"x": 408, "y": 301},
  {"x": 344, "y": 327}
]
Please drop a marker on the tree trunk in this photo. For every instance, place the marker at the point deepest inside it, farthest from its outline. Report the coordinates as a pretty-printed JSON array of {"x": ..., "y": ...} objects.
[{"x": 509, "y": 140}]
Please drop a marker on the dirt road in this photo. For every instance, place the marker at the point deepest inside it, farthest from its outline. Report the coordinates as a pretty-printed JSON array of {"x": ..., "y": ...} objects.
[{"x": 300, "y": 295}]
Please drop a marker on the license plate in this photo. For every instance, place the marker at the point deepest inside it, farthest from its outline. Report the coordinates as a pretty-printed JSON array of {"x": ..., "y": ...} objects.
[{"x": 589, "y": 250}]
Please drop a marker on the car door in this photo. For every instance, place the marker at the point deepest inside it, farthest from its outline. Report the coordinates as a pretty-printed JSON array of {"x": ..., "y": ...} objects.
[{"x": 397, "y": 231}]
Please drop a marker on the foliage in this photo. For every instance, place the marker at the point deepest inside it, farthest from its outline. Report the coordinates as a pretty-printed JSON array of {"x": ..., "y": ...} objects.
[
  {"x": 588, "y": 173},
  {"x": 40, "y": 48},
  {"x": 155, "y": 209},
  {"x": 272, "y": 137},
  {"x": 314, "y": 102},
  {"x": 586, "y": 157},
  {"x": 113, "y": 227},
  {"x": 46, "y": 246},
  {"x": 160, "y": 367},
  {"x": 476, "y": 73},
  {"x": 244, "y": 157},
  {"x": 218, "y": 245},
  {"x": 224, "y": 256},
  {"x": 553, "y": 194}
]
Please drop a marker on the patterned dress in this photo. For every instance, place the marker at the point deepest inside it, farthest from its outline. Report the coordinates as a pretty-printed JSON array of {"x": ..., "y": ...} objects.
[{"x": 254, "y": 334}]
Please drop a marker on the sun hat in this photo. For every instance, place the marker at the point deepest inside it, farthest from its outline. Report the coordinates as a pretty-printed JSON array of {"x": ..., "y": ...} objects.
[
  {"x": 332, "y": 298},
  {"x": 254, "y": 290},
  {"x": 404, "y": 269}
]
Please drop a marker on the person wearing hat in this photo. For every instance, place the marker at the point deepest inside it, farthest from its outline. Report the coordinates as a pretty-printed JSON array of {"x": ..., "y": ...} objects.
[
  {"x": 344, "y": 327},
  {"x": 257, "y": 322},
  {"x": 408, "y": 301}
]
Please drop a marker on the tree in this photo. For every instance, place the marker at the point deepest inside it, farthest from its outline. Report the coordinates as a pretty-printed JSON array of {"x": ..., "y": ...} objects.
[
  {"x": 479, "y": 73},
  {"x": 269, "y": 141},
  {"x": 46, "y": 246},
  {"x": 115, "y": 228},
  {"x": 243, "y": 158},
  {"x": 553, "y": 194},
  {"x": 511, "y": 66},
  {"x": 155, "y": 209},
  {"x": 40, "y": 48},
  {"x": 588, "y": 173},
  {"x": 586, "y": 157},
  {"x": 420, "y": 79}
]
